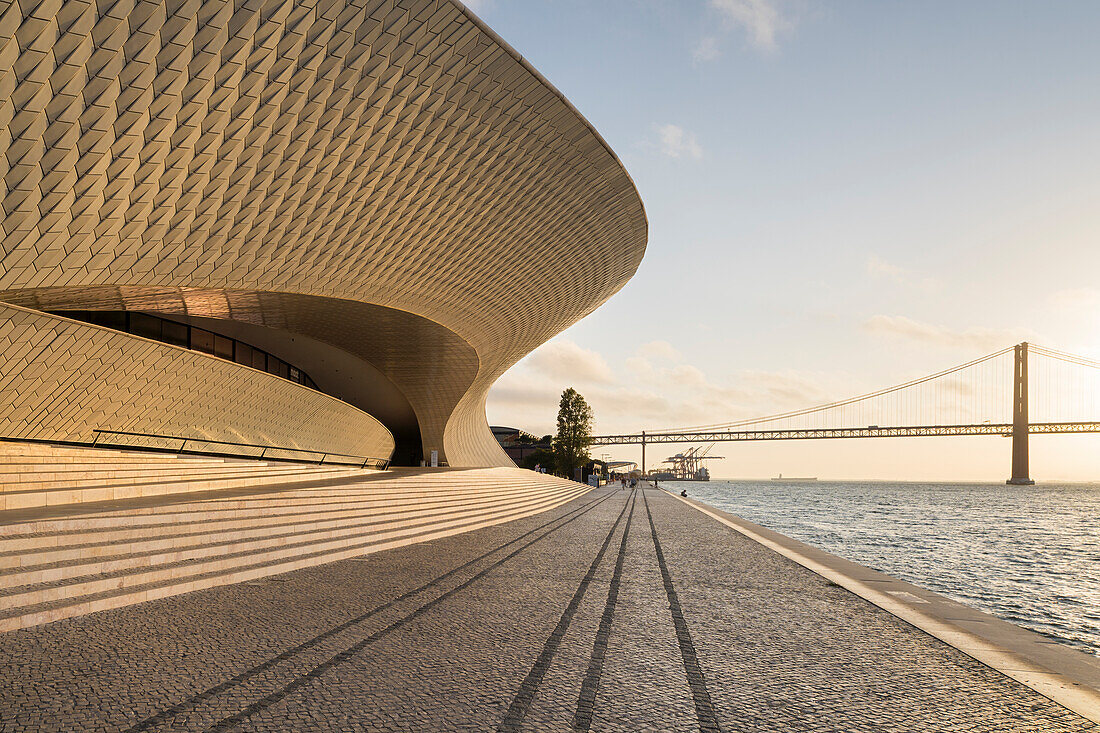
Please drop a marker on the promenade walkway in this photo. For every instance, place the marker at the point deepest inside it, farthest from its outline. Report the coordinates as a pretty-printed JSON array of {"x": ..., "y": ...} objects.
[{"x": 618, "y": 611}]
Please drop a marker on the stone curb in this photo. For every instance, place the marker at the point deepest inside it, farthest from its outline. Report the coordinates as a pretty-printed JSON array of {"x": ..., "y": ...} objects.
[{"x": 1066, "y": 676}]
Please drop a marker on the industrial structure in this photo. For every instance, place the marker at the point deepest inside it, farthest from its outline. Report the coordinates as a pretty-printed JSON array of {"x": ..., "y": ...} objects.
[
  {"x": 689, "y": 465},
  {"x": 904, "y": 410}
]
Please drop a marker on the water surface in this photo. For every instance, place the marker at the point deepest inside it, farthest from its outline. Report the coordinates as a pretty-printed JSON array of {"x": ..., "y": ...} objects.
[{"x": 1028, "y": 554}]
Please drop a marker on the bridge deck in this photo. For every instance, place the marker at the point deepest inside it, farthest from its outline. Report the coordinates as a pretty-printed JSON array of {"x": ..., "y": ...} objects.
[{"x": 617, "y": 611}]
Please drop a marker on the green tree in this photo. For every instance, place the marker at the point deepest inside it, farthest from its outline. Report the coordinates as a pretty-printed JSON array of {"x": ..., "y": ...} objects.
[
  {"x": 542, "y": 458},
  {"x": 574, "y": 433}
]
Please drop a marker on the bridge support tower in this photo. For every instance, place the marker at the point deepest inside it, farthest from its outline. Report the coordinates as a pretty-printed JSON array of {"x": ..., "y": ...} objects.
[{"x": 1021, "y": 472}]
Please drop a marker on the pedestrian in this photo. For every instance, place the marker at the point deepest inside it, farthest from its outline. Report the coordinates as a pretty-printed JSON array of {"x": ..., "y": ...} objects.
[{"x": 684, "y": 493}]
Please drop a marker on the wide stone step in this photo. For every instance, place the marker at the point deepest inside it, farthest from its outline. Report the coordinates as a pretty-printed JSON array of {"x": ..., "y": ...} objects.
[
  {"x": 281, "y": 501},
  {"x": 143, "y": 488},
  {"x": 40, "y": 451},
  {"x": 12, "y": 469},
  {"x": 30, "y": 605},
  {"x": 84, "y": 476},
  {"x": 218, "y": 544},
  {"x": 103, "y": 547},
  {"x": 19, "y": 464},
  {"x": 199, "y": 520}
]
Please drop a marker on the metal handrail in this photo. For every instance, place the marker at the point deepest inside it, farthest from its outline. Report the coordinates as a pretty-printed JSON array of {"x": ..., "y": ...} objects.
[{"x": 364, "y": 461}]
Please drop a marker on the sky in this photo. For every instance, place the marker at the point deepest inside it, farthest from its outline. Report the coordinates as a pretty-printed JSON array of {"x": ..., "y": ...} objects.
[{"x": 842, "y": 195}]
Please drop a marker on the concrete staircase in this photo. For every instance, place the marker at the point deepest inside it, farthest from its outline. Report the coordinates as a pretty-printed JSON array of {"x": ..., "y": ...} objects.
[
  {"x": 109, "y": 528},
  {"x": 39, "y": 475}
]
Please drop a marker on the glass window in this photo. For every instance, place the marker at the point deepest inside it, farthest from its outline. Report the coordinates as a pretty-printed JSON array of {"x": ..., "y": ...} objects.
[
  {"x": 145, "y": 326},
  {"x": 108, "y": 319},
  {"x": 202, "y": 340},
  {"x": 174, "y": 333},
  {"x": 180, "y": 334},
  {"x": 223, "y": 347},
  {"x": 118, "y": 320},
  {"x": 277, "y": 367}
]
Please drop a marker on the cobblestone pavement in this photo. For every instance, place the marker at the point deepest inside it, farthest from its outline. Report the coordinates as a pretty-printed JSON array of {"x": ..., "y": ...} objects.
[{"x": 570, "y": 620}]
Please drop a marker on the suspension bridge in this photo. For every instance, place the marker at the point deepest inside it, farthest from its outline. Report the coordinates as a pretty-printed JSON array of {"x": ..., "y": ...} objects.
[{"x": 990, "y": 395}]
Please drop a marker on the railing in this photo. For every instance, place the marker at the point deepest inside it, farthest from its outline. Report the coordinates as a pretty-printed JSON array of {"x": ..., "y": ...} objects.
[{"x": 266, "y": 452}]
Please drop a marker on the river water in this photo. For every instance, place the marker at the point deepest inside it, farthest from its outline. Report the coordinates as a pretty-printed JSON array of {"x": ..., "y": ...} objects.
[{"x": 1028, "y": 554}]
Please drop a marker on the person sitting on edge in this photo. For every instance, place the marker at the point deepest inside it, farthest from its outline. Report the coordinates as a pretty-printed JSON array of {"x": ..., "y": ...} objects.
[{"x": 684, "y": 492}]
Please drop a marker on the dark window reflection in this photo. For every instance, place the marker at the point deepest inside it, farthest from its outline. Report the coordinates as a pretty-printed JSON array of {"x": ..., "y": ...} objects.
[
  {"x": 174, "y": 333},
  {"x": 196, "y": 339},
  {"x": 202, "y": 341}
]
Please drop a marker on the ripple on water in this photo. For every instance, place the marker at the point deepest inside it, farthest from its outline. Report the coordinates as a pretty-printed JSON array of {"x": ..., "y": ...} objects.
[{"x": 1029, "y": 554}]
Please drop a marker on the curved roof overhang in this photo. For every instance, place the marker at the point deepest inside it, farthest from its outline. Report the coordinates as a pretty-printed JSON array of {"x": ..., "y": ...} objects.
[{"x": 395, "y": 155}]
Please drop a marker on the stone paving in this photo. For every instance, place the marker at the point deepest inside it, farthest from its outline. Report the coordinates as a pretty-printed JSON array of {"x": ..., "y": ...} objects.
[{"x": 569, "y": 620}]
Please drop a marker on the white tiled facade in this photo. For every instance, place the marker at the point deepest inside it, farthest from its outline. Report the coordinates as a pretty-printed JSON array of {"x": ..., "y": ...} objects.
[{"x": 384, "y": 176}]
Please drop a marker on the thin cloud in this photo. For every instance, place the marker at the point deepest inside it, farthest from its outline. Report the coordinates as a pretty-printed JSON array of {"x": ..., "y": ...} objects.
[
  {"x": 659, "y": 350},
  {"x": 706, "y": 49},
  {"x": 566, "y": 361},
  {"x": 646, "y": 395},
  {"x": 761, "y": 20},
  {"x": 971, "y": 339},
  {"x": 1076, "y": 300},
  {"x": 675, "y": 142},
  {"x": 879, "y": 269}
]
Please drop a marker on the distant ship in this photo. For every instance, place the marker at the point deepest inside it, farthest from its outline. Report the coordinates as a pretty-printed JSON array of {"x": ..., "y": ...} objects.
[{"x": 781, "y": 477}]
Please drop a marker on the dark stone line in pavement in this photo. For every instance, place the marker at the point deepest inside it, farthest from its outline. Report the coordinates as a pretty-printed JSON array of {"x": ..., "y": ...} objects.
[
  {"x": 582, "y": 719},
  {"x": 164, "y": 715},
  {"x": 704, "y": 708},
  {"x": 517, "y": 711},
  {"x": 785, "y": 651},
  {"x": 233, "y": 721}
]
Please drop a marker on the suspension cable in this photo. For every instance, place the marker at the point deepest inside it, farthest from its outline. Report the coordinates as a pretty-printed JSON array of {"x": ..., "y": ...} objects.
[
  {"x": 840, "y": 403},
  {"x": 1064, "y": 356}
]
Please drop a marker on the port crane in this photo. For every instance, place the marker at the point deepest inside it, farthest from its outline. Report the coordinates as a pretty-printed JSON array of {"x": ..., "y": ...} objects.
[{"x": 690, "y": 464}]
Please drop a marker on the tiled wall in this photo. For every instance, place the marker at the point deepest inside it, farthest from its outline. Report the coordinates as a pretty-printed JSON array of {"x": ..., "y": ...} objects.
[
  {"x": 62, "y": 380},
  {"x": 393, "y": 153}
]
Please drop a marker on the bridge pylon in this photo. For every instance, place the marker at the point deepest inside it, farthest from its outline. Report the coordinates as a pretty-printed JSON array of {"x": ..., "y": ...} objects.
[{"x": 1021, "y": 472}]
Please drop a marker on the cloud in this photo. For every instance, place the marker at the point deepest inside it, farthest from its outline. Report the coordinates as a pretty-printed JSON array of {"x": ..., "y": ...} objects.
[
  {"x": 705, "y": 50},
  {"x": 653, "y": 390},
  {"x": 678, "y": 143},
  {"x": 971, "y": 339},
  {"x": 880, "y": 269},
  {"x": 565, "y": 361},
  {"x": 659, "y": 350},
  {"x": 761, "y": 20},
  {"x": 1076, "y": 300}
]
